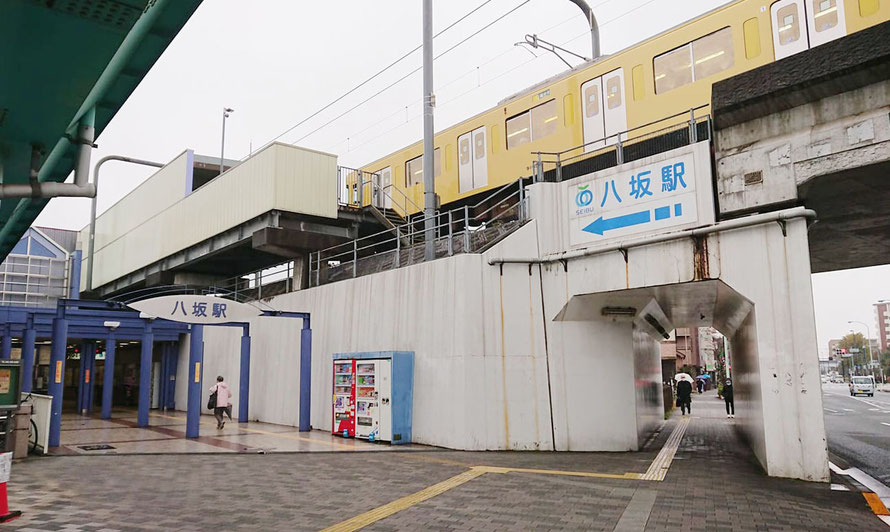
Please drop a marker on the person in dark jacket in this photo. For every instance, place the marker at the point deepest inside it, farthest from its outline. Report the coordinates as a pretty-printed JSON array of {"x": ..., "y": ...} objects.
[
  {"x": 684, "y": 396},
  {"x": 728, "y": 398}
]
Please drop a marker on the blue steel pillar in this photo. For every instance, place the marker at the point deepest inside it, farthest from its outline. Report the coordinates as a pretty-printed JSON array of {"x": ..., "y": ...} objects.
[
  {"x": 305, "y": 375},
  {"x": 172, "y": 367},
  {"x": 108, "y": 379},
  {"x": 81, "y": 375},
  {"x": 145, "y": 376},
  {"x": 6, "y": 344},
  {"x": 57, "y": 375},
  {"x": 162, "y": 382},
  {"x": 196, "y": 359},
  {"x": 244, "y": 378},
  {"x": 89, "y": 384},
  {"x": 28, "y": 341}
]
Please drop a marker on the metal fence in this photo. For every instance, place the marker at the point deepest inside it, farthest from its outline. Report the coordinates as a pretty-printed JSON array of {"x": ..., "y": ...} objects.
[
  {"x": 656, "y": 137},
  {"x": 468, "y": 229}
]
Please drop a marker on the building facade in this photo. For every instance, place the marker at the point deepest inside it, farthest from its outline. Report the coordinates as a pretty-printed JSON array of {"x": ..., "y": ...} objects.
[
  {"x": 882, "y": 322},
  {"x": 42, "y": 268}
]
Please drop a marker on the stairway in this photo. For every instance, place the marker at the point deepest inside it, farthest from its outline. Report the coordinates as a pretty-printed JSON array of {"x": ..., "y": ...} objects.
[{"x": 391, "y": 220}]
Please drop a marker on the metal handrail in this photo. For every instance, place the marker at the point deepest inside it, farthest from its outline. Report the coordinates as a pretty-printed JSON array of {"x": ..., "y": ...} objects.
[{"x": 607, "y": 137}]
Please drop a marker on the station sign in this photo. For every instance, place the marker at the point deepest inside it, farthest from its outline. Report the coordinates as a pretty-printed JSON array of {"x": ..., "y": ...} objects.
[
  {"x": 661, "y": 193},
  {"x": 196, "y": 309}
]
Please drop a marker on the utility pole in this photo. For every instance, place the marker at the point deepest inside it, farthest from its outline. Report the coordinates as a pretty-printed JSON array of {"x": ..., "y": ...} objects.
[
  {"x": 222, "y": 150},
  {"x": 429, "y": 101}
]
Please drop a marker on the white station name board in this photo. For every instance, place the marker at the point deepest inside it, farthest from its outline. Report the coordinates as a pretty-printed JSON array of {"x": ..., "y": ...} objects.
[
  {"x": 204, "y": 310},
  {"x": 648, "y": 197}
]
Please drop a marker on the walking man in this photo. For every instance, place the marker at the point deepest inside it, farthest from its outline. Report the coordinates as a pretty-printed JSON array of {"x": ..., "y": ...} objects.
[
  {"x": 727, "y": 396},
  {"x": 221, "y": 389},
  {"x": 684, "y": 396}
]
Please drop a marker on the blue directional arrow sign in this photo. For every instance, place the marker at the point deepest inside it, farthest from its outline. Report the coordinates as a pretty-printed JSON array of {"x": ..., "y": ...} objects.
[{"x": 602, "y": 225}]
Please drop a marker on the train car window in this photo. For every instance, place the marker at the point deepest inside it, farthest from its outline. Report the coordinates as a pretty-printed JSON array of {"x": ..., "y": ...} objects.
[
  {"x": 788, "y": 22},
  {"x": 613, "y": 92},
  {"x": 518, "y": 131},
  {"x": 592, "y": 95},
  {"x": 568, "y": 110},
  {"x": 673, "y": 69},
  {"x": 825, "y": 14},
  {"x": 639, "y": 87},
  {"x": 544, "y": 120},
  {"x": 713, "y": 53},
  {"x": 868, "y": 7},
  {"x": 693, "y": 61},
  {"x": 414, "y": 171},
  {"x": 752, "y": 38}
]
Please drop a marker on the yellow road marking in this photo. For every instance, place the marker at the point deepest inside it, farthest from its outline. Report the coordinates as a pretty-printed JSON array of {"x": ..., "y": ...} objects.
[
  {"x": 382, "y": 512},
  {"x": 587, "y": 474},
  {"x": 876, "y": 504},
  {"x": 659, "y": 467},
  {"x": 277, "y": 434}
]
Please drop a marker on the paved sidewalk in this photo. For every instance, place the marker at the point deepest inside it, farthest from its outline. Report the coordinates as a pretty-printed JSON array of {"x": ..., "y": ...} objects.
[{"x": 712, "y": 483}]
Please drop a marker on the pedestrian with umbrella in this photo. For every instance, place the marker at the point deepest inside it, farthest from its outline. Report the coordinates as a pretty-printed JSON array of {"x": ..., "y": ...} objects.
[{"x": 684, "y": 392}]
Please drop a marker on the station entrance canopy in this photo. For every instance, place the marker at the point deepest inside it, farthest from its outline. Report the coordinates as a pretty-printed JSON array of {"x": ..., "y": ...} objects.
[{"x": 71, "y": 60}]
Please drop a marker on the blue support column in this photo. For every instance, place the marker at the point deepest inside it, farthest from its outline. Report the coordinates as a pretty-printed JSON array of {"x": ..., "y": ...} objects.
[
  {"x": 81, "y": 375},
  {"x": 57, "y": 375},
  {"x": 162, "y": 382},
  {"x": 145, "y": 376},
  {"x": 244, "y": 381},
  {"x": 28, "y": 341},
  {"x": 6, "y": 345},
  {"x": 90, "y": 383},
  {"x": 305, "y": 375},
  {"x": 108, "y": 379},
  {"x": 196, "y": 359},
  {"x": 173, "y": 366}
]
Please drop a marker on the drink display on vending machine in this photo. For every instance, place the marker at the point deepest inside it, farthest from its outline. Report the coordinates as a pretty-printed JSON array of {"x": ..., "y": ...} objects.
[
  {"x": 373, "y": 410},
  {"x": 344, "y": 398}
]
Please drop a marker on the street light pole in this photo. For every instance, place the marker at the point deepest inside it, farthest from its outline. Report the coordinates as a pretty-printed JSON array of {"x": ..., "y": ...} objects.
[
  {"x": 870, "y": 355},
  {"x": 222, "y": 150}
]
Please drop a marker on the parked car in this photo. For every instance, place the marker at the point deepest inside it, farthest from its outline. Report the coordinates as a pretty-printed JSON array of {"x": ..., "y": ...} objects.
[
  {"x": 825, "y": 379},
  {"x": 837, "y": 379},
  {"x": 863, "y": 385}
]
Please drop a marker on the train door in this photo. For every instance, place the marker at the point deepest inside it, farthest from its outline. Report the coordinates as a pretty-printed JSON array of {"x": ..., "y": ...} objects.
[
  {"x": 472, "y": 160},
  {"x": 480, "y": 158},
  {"x": 615, "y": 106},
  {"x": 465, "y": 162},
  {"x": 802, "y": 24},
  {"x": 386, "y": 189},
  {"x": 592, "y": 110},
  {"x": 377, "y": 190}
]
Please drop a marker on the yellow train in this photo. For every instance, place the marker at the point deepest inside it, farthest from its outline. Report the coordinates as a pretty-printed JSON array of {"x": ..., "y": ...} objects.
[{"x": 665, "y": 75}]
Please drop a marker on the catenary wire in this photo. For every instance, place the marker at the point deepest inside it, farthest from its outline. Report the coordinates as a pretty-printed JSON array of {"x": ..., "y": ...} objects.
[{"x": 377, "y": 74}]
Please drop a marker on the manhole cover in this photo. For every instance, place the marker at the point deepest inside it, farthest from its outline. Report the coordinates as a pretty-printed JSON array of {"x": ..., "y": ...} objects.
[{"x": 100, "y": 447}]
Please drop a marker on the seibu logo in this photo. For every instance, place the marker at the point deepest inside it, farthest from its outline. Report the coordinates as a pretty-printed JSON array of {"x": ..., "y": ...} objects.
[{"x": 583, "y": 199}]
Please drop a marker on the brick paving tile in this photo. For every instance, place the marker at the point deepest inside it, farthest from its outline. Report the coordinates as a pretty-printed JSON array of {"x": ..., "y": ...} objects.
[{"x": 714, "y": 484}]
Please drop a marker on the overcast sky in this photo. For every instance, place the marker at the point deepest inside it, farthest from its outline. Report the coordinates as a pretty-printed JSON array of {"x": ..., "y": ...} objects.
[{"x": 277, "y": 61}]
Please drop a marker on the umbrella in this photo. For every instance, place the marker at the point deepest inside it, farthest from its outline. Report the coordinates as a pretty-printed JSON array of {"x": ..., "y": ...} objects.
[
  {"x": 682, "y": 377},
  {"x": 703, "y": 376}
]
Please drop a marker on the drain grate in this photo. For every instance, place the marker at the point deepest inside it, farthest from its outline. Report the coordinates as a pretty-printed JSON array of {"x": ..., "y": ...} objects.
[{"x": 98, "y": 447}]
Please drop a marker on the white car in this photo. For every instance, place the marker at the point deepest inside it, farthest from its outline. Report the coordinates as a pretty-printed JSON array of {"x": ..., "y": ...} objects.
[{"x": 862, "y": 385}]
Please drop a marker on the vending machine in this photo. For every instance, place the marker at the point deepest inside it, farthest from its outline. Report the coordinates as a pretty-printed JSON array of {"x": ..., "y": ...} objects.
[
  {"x": 381, "y": 395},
  {"x": 344, "y": 398},
  {"x": 373, "y": 412}
]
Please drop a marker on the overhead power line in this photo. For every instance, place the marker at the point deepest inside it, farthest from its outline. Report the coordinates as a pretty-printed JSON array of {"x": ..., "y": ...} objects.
[
  {"x": 377, "y": 74},
  {"x": 403, "y": 78}
]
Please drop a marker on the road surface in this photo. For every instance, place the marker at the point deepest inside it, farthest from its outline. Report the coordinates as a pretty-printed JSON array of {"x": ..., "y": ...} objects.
[{"x": 859, "y": 429}]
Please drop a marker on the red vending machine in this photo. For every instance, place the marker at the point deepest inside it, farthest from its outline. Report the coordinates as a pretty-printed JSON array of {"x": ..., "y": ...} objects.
[{"x": 344, "y": 398}]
